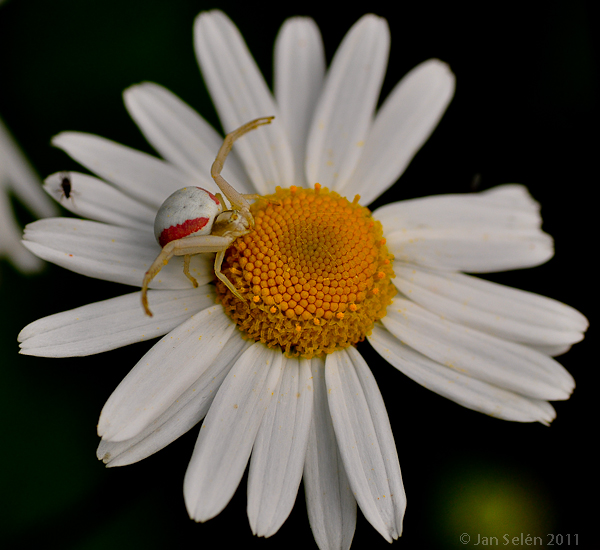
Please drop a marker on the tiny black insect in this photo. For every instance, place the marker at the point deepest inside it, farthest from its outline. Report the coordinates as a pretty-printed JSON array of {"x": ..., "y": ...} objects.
[{"x": 65, "y": 184}]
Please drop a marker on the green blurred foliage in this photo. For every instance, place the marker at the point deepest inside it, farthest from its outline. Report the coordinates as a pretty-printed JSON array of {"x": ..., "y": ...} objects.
[{"x": 486, "y": 500}]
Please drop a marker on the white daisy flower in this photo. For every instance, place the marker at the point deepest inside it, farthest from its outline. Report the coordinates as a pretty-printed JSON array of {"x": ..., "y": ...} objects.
[
  {"x": 316, "y": 274},
  {"x": 17, "y": 177}
]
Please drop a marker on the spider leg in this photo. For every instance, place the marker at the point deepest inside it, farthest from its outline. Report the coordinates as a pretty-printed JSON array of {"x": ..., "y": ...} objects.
[
  {"x": 162, "y": 259},
  {"x": 187, "y": 246},
  {"x": 222, "y": 278},
  {"x": 186, "y": 270},
  {"x": 255, "y": 197},
  {"x": 236, "y": 199}
]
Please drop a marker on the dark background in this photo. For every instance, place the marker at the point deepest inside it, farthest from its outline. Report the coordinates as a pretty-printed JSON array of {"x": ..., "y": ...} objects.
[{"x": 525, "y": 111}]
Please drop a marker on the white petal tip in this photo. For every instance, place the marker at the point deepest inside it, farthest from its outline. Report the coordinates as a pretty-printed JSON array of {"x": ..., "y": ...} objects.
[
  {"x": 198, "y": 510},
  {"x": 58, "y": 139},
  {"x": 206, "y": 16},
  {"x": 371, "y": 23},
  {"x": 388, "y": 536},
  {"x": 435, "y": 64},
  {"x": 116, "y": 433},
  {"x": 371, "y": 18},
  {"x": 105, "y": 457},
  {"x": 138, "y": 88},
  {"x": 200, "y": 516},
  {"x": 114, "y": 437}
]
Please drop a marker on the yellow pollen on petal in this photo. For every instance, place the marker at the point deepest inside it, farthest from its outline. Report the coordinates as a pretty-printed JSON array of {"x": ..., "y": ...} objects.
[{"x": 315, "y": 273}]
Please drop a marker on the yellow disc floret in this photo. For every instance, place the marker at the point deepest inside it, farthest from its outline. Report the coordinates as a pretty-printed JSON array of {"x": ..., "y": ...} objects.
[{"x": 315, "y": 272}]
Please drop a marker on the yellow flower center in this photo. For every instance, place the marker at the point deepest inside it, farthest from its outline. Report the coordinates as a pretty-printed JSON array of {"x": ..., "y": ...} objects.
[{"x": 315, "y": 273}]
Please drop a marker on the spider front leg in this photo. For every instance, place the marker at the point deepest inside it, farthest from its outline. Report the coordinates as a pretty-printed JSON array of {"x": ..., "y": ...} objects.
[
  {"x": 256, "y": 197},
  {"x": 186, "y": 270},
  {"x": 222, "y": 278},
  {"x": 236, "y": 199},
  {"x": 187, "y": 246}
]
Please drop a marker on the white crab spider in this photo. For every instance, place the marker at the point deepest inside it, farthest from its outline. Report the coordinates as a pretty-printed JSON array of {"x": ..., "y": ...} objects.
[{"x": 179, "y": 236}]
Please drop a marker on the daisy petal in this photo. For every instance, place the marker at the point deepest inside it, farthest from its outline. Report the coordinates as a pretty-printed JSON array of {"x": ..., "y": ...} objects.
[
  {"x": 345, "y": 110},
  {"x": 117, "y": 254},
  {"x": 181, "y": 416},
  {"x": 164, "y": 373},
  {"x": 403, "y": 124},
  {"x": 143, "y": 177},
  {"x": 21, "y": 178},
  {"x": 553, "y": 351},
  {"x": 364, "y": 435},
  {"x": 508, "y": 206},
  {"x": 461, "y": 388},
  {"x": 491, "y": 231},
  {"x": 499, "y": 310},
  {"x": 513, "y": 196},
  {"x": 229, "y": 430},
  {"x": 299, "y": 72},
  {"x": 279, "y": 451},
  {"x": 471, "y": 249},
  {"x": 10, "y": 239},
  {"x": 181, "y": 135},
  {"x": 112, "y": 323},
  {"x": 95, "y": 199},
  {"x": 511, "y": 366},
  {"x": 330, "y": 504},
  {"x": 240, "y": 94}
]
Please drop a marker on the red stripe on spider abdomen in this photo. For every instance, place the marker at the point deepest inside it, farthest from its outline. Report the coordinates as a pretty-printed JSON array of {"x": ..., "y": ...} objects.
[{"x": 182, "y": 230}]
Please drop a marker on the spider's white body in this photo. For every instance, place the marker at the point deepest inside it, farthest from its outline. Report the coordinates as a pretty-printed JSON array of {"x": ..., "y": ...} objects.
[{"x": 189, "y": 211}]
